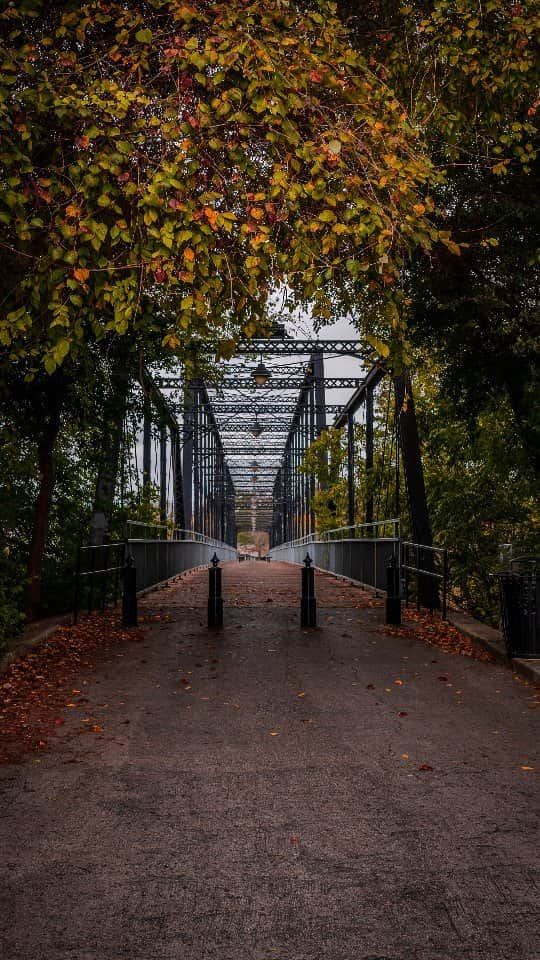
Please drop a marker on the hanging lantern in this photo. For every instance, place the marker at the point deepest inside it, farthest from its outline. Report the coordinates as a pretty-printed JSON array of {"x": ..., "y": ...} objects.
[{"x": 260, "y": 374}]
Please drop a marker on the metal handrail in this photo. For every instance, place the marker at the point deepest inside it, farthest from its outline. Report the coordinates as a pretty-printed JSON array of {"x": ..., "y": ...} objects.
[
  {"x": 415, "y": 568},
  {"x": 173, "y": 534},
  {"x": 325, "y": 535}
]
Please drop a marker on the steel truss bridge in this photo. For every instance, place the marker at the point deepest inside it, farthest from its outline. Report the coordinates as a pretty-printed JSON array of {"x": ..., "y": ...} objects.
[{"x": 234, "y": 448}]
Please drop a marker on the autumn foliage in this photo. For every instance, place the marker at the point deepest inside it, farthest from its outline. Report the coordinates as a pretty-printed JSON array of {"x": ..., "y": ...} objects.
[{"x": 163, "y": 165}]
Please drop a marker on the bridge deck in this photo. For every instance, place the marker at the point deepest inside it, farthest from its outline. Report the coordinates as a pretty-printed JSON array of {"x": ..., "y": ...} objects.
[{"x": 268, "y": 793}]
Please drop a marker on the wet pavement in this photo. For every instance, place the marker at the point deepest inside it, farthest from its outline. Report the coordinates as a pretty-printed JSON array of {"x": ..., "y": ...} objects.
[{"x": 269, "y": 793}]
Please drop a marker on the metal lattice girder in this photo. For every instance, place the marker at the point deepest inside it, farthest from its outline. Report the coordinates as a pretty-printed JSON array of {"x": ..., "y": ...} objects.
[
  {"x": 286, "y": 347},
  {"x": 240, "y": 427},
  {"x": 238, "y": 383},
  {"x": 370, "y": 381},
  {"x": 249, "y": 407}
]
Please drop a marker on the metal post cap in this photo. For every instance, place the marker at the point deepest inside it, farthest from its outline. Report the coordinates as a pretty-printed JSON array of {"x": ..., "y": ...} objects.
[
  {"x": 307, "y": 560},
  {"x": 215, "y": 560}
]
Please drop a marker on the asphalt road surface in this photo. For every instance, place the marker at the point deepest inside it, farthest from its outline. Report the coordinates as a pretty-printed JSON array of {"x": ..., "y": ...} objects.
[{"x": 269, "y": 793}]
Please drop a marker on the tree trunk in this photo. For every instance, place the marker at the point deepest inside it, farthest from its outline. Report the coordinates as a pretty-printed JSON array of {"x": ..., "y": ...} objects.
[{"x": 43, "y": 509}]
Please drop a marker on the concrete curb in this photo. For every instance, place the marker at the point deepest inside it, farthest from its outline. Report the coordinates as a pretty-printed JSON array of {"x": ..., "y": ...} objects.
[
  {"x": 492, "y": 641},
  {"x": 21, "y": 645}
]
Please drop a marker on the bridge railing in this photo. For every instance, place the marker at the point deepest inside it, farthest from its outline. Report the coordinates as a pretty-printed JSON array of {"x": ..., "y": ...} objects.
[
  {"x": 139, "y": 530},
  {"x": 360, "y": 552},
  {"x": 157, "y": 560},
  {"x": 425, "y": 575},
  {"x": 159, "y": 553}
]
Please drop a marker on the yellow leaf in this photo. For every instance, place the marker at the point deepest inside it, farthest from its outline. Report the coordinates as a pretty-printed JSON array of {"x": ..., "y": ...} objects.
[
  {"x": 334, "y": 147},
  {"x": 419, "y": 208},
  {"x": 525, "y": 767}
]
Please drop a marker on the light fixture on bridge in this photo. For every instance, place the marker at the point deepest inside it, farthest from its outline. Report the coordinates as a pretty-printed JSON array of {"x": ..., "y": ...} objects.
[
  {"x": 256, "y": 428},
  {"x": 260, "y": 374}
]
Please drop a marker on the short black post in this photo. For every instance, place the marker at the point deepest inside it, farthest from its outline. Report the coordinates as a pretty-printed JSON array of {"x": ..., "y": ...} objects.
[
  {"x": 393, "y": 597},
  {"x": 215, "y": 600},
  {"x": 129, "y": 595},
  {"x": 308, "y": 608}
]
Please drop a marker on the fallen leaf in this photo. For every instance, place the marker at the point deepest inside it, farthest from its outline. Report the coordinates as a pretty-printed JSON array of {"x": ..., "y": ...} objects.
[
  {"x": 300, "y": 694},
  {"x": 404, "y": 756},
  {"x": 525, "y": 767},
  {"x": 399, "y": 683},
  {"x": 425, "y": 767},
  {"x": 274, "y": 733},
  {"x": 370, "y": 686},
  {"x": 403, "y": 713},
  {"x": 97, "y": 729}
]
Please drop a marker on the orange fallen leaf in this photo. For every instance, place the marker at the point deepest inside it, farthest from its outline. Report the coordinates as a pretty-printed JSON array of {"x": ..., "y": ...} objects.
[
  {"x": 274, "y": 733},
  {"x": 525, "y": 767},
  {"x": 300, "y": 694},
  {"x": 404, "y": 756},
  {"x": 97, "y": 729},
  {"x": 399, "y": 683}
]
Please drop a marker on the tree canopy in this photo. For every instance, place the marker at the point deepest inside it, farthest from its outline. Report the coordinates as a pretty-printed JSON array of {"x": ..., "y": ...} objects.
[{"x": 164, "y": 163}]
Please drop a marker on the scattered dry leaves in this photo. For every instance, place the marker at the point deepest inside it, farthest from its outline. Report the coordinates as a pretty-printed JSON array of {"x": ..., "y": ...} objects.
[
  {"x": 34, "y": 688},
  {"x": 438, "y": 633}
]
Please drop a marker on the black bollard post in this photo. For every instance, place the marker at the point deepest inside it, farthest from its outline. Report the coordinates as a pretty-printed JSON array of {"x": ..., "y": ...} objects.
[
  {"x": 215, "y": 600},
  {"x": 393, "y": 593},
  {"x": 129, "y": 594},
  {"x": 308, "y": 607}
]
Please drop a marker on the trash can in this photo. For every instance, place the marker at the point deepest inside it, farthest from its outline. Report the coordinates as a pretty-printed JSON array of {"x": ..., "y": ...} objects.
[{"x": 520, "y": 602}]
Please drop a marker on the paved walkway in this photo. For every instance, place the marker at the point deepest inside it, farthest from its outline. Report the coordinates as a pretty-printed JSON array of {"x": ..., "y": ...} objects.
[{"x": 268, "y": 793}]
